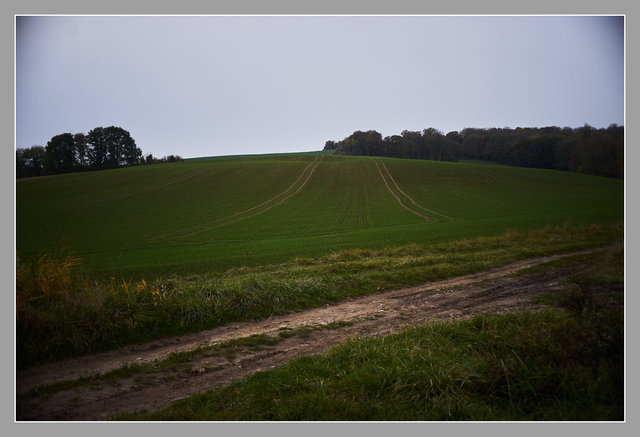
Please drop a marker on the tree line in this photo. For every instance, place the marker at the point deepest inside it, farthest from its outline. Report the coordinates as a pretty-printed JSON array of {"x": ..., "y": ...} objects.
[
  {"x": 101, "y": 148},
  {"x": 585, "y": 149}
]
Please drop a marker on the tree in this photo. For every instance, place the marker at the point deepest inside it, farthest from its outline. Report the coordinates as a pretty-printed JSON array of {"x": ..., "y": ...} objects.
[
  {"x": 35, "y": 160},
  {"x": 60, "y": 154},
  {"x": 361, "y": 143},
  {"x": 584, "y": 149},
  {"x": 121, "y": 148},
  {"x": 112, "y": 147},
  {"x": 412, "y": 145},
  {"x": 132, "y": 154},
  {"x": 395, "y": 146},
  {"x": 97, "y": 147},
  {"x": 30, "y": 162},
  {"x": 81, "y": 150},
  {"x": 330, "y": 145},
  {"x": 21, "y": 167},
  {"x": 101, "y": 148},
  {"x": 115, "y": 138}
]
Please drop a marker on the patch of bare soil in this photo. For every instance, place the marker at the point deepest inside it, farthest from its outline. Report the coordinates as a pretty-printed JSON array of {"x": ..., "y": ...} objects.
[{"x": 494, "y": 291}]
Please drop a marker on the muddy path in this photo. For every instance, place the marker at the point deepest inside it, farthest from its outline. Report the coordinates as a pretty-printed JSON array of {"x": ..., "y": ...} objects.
[{"x": 494, "y": 291}]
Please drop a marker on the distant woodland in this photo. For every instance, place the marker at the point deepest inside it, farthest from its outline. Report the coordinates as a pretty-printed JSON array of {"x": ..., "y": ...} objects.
[
  {"x": 102, "y": 148},
  {"x": 586, "y": 149}
]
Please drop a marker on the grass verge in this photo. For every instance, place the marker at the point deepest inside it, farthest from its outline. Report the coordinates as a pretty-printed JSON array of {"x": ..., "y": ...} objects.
[
  {"x": 563, "y": 363},
  {"x": 61, "y": 314},
  {"x": 549, "y": 365}
]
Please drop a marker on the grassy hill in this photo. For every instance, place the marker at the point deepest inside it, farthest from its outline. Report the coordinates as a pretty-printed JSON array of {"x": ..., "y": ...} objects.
[
  {"x": 176, "y": 248},
  {"x": 211, "y": 214}
]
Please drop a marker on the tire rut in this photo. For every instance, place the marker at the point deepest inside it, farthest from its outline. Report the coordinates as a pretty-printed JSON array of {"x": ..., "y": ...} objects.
[
  {"x": 261, "y": 208},
  {"x": 411, "y": 199},
  {"x": 402, "y": 204},
  {"x": 493, "y": 291}
]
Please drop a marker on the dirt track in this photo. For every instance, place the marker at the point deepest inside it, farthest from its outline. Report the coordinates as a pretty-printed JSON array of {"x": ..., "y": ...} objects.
[{"x": 494, "y": 291}]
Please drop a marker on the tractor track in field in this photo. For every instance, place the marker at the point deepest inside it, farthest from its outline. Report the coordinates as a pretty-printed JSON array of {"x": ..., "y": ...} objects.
[
  {"x": 258, "y": 209},
  {"x": 410, "y": 198},
  {"x": 402, "y": 204},
  {"x": 494, "y": 291},
  {"x": 148, "y": 187}
]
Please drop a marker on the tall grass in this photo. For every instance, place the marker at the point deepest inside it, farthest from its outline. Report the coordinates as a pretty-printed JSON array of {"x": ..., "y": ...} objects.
[
  {"x": 62, "y": 313},
  {"x": 548, "y": 365},
  {"x": 551, "y": 365}
]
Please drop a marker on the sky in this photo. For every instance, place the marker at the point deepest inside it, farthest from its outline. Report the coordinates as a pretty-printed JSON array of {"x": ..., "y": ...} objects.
[{"x": 224, "y": 85}]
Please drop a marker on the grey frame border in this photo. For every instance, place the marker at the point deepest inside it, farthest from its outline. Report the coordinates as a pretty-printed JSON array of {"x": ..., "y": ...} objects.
[{"x": 488, "y": 7}]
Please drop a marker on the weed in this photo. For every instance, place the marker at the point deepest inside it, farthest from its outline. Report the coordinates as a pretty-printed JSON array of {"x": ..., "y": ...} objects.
[{"x": 52, "y": 276}]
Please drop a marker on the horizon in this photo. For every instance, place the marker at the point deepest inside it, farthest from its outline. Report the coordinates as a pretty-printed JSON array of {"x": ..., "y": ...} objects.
[
  {"x": 199, "y": 86},
  {"x": 292, "y": 152}
]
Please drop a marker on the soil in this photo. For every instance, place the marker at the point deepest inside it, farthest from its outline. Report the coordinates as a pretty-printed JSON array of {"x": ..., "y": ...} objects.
[{"x": 494, "y": 291}]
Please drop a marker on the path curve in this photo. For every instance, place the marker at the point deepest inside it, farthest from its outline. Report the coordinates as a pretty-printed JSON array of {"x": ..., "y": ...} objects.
[{"x": 492, "y": 291}]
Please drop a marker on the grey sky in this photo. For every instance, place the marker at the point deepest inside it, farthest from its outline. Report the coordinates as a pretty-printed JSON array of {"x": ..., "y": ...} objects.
[{"x": 220, "y": 85}]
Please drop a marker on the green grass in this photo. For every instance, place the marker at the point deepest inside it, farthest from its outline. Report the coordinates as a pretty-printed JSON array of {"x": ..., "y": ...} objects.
[
  {"x": 179, "y": 247},
  {"x": 542, "y": 366},
  {"x": 200, "y": 215},
  {"x": 565, "y": 363},
  {"x": 548, "y": 365},
  {"x": 237, "y": 238},
  {"x": 64, "y": 313}
]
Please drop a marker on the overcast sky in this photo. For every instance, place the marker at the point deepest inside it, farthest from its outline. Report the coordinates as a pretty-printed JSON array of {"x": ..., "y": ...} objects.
[{"x": 221, "y": 85}]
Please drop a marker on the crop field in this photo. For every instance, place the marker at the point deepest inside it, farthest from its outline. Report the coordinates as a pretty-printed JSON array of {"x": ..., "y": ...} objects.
[
  {"x": 208, "y": 215},
  {"x": 234, "y": 268}
]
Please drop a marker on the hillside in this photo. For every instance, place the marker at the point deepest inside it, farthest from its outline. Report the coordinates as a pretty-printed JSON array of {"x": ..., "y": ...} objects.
[
  {"x": 217, "y": 213},
  {"x": 199, "y": 273}
]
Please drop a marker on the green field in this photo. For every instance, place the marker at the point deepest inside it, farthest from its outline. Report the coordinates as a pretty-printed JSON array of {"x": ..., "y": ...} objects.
[
  {"x": 174, "y": 248},
  {"x": 212, "y": 214}
]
